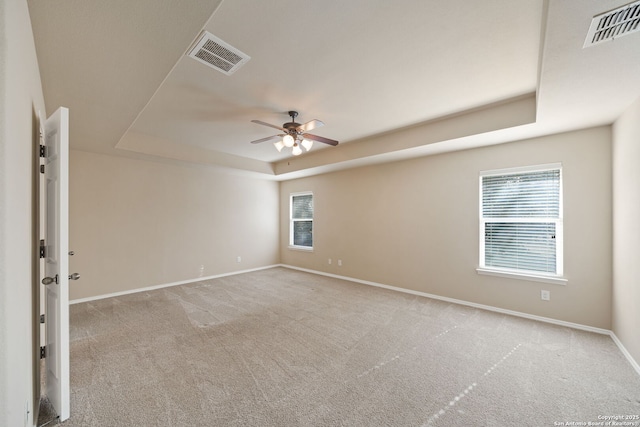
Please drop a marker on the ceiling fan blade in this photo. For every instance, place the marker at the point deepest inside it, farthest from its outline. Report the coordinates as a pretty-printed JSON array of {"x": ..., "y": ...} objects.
[
  {"x": 320, "y": 139},
  {"x": 268, "y": 124},
  {"x": 310, "y": 125},
  {"x": 269, "y": 138}
]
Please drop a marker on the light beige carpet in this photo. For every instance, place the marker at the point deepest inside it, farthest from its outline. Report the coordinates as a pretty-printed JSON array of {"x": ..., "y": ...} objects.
[{"x": 285, "y": 348}]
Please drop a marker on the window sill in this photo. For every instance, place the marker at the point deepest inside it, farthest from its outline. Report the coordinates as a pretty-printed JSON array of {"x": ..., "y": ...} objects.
[
  {"x": 522, "y": 276},
  {"x": 301, "y": 248}
]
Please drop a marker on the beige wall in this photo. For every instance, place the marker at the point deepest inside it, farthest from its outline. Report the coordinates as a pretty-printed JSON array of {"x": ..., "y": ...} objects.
[
  {"x": 411, "y": 224},
  {"x": 626, "y": 229},
  {"x": 414, "y": 224},
  {"x": 136, "y": 223},
  {"x": 20, "y": 99}
]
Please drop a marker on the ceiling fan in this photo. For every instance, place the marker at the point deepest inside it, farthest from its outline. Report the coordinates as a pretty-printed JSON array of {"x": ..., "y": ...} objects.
[{"x": 295, "y": 134}]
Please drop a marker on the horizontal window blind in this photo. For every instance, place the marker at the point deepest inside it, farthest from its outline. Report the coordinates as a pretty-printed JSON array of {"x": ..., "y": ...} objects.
[
  {"x": 301, "y": 230},
  {"x": 534, "y": 194},
  {"x": 302, "y": 233},
  {"x": 302, "y": 206},
  {"x": 521, "y": 218},
  {"x": 521, "y": 246}
]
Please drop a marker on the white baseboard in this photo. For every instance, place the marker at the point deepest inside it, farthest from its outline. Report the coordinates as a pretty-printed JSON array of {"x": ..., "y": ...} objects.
[
  {"x": 579, "y": 326},
  {"x": 613, "y": 336},
  {"x": 626, "y": 353},
  {"x": 167, "y": 285}
]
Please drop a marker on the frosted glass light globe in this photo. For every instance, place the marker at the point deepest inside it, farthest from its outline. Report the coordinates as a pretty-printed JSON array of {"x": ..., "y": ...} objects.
[{"x": 288, "y": 141}]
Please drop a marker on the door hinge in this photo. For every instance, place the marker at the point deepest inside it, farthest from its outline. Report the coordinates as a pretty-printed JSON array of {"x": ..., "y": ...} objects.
[
  {"x": 43, "y": 352},
  {"x": 42, "y": 318},
  {"x": 43, "y": 249},
  {"x": 43, "y": 151}
]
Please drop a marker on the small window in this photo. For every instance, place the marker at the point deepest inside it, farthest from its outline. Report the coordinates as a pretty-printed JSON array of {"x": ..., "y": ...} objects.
[
  {"x": 521, "y": 221},
  {"x": 301, "y": 224}
]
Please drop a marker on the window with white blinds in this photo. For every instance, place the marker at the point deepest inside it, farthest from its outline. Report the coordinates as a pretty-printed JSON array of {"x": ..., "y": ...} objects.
[
  {"x": 301, "y": 220},
  {"x": 521, "y": 220}
]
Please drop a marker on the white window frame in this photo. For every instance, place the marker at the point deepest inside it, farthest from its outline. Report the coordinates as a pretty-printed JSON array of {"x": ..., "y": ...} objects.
[
  {"x": 293, "y": 220},
  {"x": 555, "y": 278}
]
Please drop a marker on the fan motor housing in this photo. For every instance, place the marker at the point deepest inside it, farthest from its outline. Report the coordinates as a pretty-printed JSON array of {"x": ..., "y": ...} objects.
[{"x": 291, "y": 126}]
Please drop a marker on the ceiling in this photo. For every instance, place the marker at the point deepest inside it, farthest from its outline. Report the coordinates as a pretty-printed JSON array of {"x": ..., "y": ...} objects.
[{"x": 390, "y": 80}]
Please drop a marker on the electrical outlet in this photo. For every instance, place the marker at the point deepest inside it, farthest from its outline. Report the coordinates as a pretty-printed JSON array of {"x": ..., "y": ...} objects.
[
  {"x": 329, "y": 262},
  {"x": 545, "y": 295},
  {"x": 239, "y": 259},
  {"x": 339, "y": 263}
]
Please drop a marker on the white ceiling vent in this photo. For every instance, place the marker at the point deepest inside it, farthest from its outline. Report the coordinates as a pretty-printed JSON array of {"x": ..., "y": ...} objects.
[
  {"x": 217, "y": 54},
  {"x": 613, "y": 24}
]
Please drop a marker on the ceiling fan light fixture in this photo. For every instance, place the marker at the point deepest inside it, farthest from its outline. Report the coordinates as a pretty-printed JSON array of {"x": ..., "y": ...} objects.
[
  {"x": 295, "y": 135},
  {"x": 288, "y": 141},
  {"x": 307, "y": 144}
]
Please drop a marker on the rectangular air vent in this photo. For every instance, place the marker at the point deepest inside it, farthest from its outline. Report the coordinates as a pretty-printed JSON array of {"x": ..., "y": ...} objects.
[
  {"x": 613, "y": 24},
  {"x": 217, "y": 54}
]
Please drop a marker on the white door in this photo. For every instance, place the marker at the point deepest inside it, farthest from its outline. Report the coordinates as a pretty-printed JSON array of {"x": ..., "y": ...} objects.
[{"x": 56, "y": 265}]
